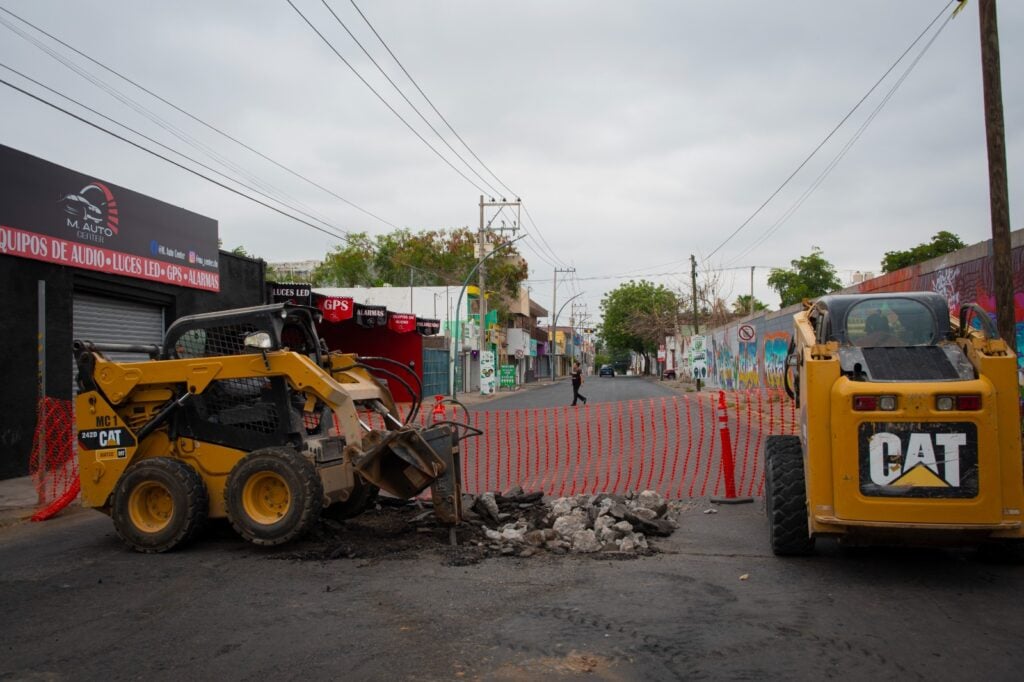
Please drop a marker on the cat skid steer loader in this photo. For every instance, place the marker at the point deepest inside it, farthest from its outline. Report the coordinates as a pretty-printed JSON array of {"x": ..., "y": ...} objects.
[
  {"x": 909, "y": 428},
  {"x": 243, "y": 414}
]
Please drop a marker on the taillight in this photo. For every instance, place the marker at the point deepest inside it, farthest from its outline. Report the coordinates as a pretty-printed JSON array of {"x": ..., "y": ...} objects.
[
  {"x": 944, "y": 403},
  {"x": 865, "y": 402},
  {"x": 870, "y": 403}
]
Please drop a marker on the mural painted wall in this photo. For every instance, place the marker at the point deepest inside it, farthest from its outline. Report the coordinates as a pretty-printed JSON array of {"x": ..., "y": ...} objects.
[{"x": 752, "y": 353}]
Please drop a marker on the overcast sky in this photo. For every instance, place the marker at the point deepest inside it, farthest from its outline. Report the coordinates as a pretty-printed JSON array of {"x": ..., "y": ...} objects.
[{"x": 635, "y": 132}]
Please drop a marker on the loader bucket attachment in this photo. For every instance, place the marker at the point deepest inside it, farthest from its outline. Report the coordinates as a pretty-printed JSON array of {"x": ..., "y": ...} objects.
[
  {"x": 446, "y": 491},
  {"x": 403, "y": 463}
]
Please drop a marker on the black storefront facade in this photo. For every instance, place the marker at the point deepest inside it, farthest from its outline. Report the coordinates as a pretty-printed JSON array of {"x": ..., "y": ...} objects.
[{"x": 83, "y": 258}]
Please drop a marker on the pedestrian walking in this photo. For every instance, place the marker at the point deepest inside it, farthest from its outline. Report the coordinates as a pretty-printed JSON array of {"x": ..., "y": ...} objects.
[{"x": 577, "y": 381}]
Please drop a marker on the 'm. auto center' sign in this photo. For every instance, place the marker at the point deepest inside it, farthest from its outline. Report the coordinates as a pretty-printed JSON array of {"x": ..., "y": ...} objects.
[{"x": 53, "y": 214}]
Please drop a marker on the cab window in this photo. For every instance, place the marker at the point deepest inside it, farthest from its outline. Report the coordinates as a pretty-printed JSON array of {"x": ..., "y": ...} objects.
[{"x": 890, "y": 322}]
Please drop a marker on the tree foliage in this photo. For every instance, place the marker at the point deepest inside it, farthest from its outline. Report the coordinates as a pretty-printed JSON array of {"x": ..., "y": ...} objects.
[
  {"x": 810, "y": 276},
  {"x": 637, "y": 316},
  {"x": 427, "y": 258},
  {"x": 942, "y": 242},
  {"x": 741, "y": 306}
]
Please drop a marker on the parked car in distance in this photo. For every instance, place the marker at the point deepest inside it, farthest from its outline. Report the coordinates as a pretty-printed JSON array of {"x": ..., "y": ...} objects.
[
  {"x": 606, "y": 371},
  {"x": 668, "y": 374}
]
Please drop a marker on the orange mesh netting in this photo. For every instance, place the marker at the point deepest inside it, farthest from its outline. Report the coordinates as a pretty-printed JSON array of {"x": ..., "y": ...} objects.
[{"x": 53, "y": 464}]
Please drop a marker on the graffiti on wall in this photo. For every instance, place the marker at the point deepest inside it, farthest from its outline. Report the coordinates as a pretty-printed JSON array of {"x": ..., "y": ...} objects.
[
  {"x": 724, "y": 360},
  {"x": 775, "y": 346},
  {"x": 739, "y": 361}
]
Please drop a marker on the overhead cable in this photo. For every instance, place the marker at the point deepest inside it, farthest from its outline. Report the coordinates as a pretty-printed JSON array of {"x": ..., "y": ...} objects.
[
  {"x": 199, "y": 120},
  {"x": 830, "y": 134}
]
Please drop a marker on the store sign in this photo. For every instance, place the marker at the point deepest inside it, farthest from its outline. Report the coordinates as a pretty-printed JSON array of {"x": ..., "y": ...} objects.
[
  {"x": 336, "y": 308},
  {"x": 401, "y": 322},
  {"x": 53, "y": 214},
  {"x": 297, "y": 293},
  {"x": 487, "y": 371},
  {"x": 428, "y": 327},
  {"x": 371, "y": 315},
  {"x": 507, "y": 376}
]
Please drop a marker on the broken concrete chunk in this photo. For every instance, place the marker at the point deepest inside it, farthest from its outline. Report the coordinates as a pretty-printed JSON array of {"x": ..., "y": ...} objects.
[
  {"x": 645, "y": 513},
  {"x": 618, "y": 510},
  {"x": 585, "y": 541},
  {"x": 561, "y": 506},
  {"x": 623, "y": 527},
  {"x": 487, "y": 506},
  {"x": 569, "y": 524},
  {"x": 649, "y": 499}
]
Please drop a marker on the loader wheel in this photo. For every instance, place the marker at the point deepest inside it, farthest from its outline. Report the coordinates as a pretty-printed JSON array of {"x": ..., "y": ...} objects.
[
  {"x": 363, "y": 495},
  {"x": 786, "y": 497},
  {"x": 273, "y": 495},
  {"x": 159, "y": 504}
]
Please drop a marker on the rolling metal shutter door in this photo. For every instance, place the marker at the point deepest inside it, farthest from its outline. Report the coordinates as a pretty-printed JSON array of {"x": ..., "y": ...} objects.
[{"x": 113, "y": 320}]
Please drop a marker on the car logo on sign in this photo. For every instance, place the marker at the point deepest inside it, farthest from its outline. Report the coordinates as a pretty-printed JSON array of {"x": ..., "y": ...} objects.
[{"x": 918, "y": 459}]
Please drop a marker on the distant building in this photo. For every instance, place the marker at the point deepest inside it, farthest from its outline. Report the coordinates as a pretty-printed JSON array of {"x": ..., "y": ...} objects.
[{"x": 295, "y": 271}]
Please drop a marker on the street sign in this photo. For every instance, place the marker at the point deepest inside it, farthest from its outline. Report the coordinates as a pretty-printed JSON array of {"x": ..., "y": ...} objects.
[{"x": 507, "y": 377}]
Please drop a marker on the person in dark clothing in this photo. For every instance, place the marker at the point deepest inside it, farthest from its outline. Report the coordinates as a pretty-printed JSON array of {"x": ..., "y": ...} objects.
[{"x": 577, "y": 381}]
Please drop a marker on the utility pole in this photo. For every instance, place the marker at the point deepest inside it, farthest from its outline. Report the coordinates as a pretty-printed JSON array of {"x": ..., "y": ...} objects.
[
  {"x": 693, "y": 283},
  {"x": 482, "y": 244},
  {"x": 751, "y": 290},
  {"x": 995, "y": 134},
  {"x": 551, "y": 332}
]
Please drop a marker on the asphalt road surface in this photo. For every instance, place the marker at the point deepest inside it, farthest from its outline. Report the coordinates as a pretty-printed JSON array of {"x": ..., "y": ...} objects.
[
  {"x": 713, "y": 604},
  {"x": 596, "y": 389}
]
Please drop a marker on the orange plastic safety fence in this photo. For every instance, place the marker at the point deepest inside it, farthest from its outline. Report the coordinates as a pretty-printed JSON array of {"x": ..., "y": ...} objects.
[
  {"x": 671, "y": 445},
  {"x": 53, "y": 464}
]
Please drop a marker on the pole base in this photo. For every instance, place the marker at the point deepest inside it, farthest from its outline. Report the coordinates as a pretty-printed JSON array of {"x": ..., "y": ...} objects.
[{"x": 731, "y": 500}]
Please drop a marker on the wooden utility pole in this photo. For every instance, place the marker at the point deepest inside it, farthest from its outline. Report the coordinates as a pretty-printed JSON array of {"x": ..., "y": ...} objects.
[
  {"x": 693, "y": 282},
  {"x": 553, "y": 332},
  {"x": 995, "y": 134}
]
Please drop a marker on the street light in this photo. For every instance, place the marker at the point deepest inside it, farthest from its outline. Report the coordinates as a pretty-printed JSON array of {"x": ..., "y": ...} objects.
[
  {"x": 554, "y": 334},
  {"x": 458, "y": 312}
]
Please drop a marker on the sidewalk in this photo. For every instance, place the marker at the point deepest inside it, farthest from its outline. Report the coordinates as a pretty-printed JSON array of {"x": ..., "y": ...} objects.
[
  {"x": 18, "y": 500},
  {"x": 471, "y": 398}
]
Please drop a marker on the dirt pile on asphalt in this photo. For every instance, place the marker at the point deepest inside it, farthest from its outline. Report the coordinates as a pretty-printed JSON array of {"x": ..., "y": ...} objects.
[{"x": 516, "y": 523}]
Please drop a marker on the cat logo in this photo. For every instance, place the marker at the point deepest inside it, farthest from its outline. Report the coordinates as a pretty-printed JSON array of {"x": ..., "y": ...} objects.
[{"x": 918, "y": 459}]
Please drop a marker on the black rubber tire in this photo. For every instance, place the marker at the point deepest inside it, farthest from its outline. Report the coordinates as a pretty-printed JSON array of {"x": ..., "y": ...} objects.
[
  {"x": 294, "y": 478},
  {"x": 363, "y": 495},
  {"x": 786, "y": 497},
  {"x": 171, "y": 493}
]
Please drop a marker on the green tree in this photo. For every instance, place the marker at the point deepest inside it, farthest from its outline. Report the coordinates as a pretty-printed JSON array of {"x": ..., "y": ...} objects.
[
  {"x": 426, "y": 258},
  {"x": 637, "y": 316},
  {"x": 942, "y": 242},
  {"x": 741, "y": 306},
  {"x": 810, "y": 276}
]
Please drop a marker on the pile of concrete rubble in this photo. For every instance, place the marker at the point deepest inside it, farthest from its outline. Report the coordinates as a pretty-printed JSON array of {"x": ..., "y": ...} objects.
[{"x": 522, "y": 524}]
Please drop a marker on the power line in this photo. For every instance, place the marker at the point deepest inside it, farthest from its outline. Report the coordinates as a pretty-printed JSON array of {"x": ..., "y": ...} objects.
[
  {"x": 439, "y": 114},
  {"x": 412, "y": 80},
  {"x": 197, "y": 119},
  {"x": 831, "y": 133},
  {"x": 403, "y": 95},
  {"x": 846, "y": 148},
  {"x": 342, "y": 236},
  {"x": 382, "y": 100}
]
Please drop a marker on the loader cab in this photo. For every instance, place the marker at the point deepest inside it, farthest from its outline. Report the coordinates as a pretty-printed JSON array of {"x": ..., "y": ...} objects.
[
  {"x": 897, "y": 337},
  {"x": 251, "y": 412}
]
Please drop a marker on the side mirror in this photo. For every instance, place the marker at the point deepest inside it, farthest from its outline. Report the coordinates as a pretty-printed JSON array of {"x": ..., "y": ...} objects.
[
  {"x": 258, "y": 341},
  {"x": 792, "y": 360}
]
